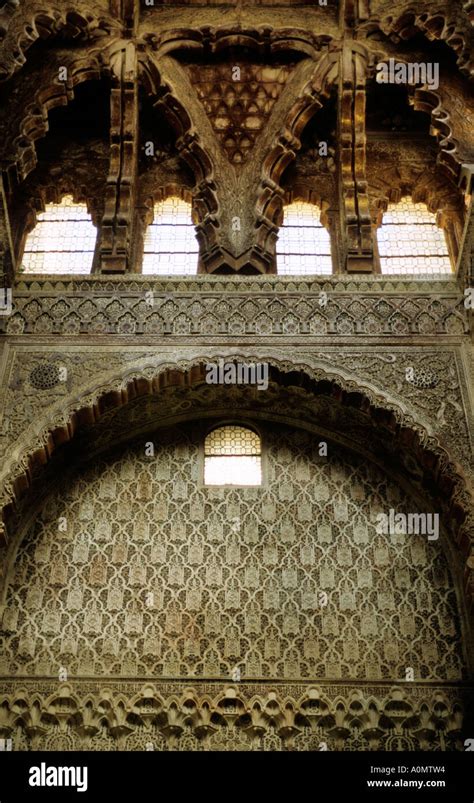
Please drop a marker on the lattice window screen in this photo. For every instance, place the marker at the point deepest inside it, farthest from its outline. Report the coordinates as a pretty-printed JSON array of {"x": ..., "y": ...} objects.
[
  {"x": 410, "y": 241},
  {"x": 62, "y": 241},
  {"x": 232, "y": 456},
  {"x": 171, "y": 246},
  {"x": 304, "y": 245}
]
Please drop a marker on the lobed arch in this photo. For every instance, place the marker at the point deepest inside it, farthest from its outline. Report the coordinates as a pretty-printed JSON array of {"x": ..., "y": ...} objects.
[
  {"x": 440, "y": 197},
  {"x": 437, "y": 23},
  {"x": 301, "y": 192},
  {"x": 161, "y": 193},
  {"x": 262, "y": 41},
  {"x": 22, "y": 28},
  {"x": 53, "y": 194},
  {"x": 270, "y": 194},
  {"x": 189, "y": 147},
  {"x": 451, "y": 155},
  {"x": 21, "y": 157},
  {"x": 450, "y": 128},
  {"x": 335, "y": 405}
]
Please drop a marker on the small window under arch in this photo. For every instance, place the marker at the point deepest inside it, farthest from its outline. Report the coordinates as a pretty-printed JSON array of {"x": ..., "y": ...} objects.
[
  {"x": 63, "y": 240},
  {"x": 170, "y": 245},
  {"x": 409, "y": 240},
  {"x": 304, "y": 244},
  {"x": 232, "y": 456}
]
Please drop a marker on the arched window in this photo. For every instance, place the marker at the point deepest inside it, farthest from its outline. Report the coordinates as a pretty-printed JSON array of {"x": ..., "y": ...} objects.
[
  {"x": 232, "y": 456},
  {"x": 63, "y": 240},
  {"x": 170, "y": 241},
  {"x": 304, "y": 245},
  {"x": 409, "y": 240}
]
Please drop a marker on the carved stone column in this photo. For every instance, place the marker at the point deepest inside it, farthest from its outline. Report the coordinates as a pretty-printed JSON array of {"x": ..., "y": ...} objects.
[
  {"x": 118, "y": 219},
  {"x": 356, "y": 226}
]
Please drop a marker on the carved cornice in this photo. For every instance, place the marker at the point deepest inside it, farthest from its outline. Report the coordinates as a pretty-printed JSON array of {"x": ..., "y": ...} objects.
[
  {"x": 239, "y": 284},
  {"x": 139, "y": 305},
  {"x": 173, "y": 715}
]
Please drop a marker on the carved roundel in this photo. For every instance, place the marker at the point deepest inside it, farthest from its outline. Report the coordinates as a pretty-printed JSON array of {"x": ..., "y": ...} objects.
[
  {"x": 45, "y": 376},
  {"x": 424, "y": 378}
]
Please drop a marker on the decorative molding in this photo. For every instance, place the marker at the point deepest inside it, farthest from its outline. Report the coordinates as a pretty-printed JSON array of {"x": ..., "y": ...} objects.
[
  {"x": 263, "y": 307},
  {"x": 134, "y": 715}
]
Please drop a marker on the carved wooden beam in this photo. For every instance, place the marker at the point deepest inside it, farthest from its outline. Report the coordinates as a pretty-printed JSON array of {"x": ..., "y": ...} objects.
[
  {"x": 119, "y": 214},
  {"x": 354, "y": 198}
]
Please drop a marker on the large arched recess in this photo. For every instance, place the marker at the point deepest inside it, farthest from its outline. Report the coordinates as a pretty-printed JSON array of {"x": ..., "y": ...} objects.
[{"x": 333, "y": 406}]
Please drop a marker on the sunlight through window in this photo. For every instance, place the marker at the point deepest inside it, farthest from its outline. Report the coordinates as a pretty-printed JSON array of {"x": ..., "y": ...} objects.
[
  {"x": 232, "y": 456},
  {"x": 409, "y": 241},
  {"x": 171, "y": 246},
  {"x": 304, "y": 245},
  {"x": 63, "y": 240}
]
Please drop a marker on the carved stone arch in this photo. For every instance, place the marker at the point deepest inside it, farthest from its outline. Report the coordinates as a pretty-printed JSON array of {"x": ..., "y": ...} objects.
[
  {"x": 189, "y": 147},
  {"x": 270, "y": 194},
  {"x": 438, "y": 193},
  {"x": 231, "y": 251},
  {"x": 433, "y": 182},
  {"x": 262, "y": 40},
  {"x": 53, "y": 194},
  {"x": 20, "y": 159},
  {"x": 451, "y": 128},
  {"x": 437, "y": 21},
  {"x": 451, "y": 154},
  {"x": 161, "y": 193},
  {"x": 20, "y": 29},
  {"x": 86, "y": 407}
]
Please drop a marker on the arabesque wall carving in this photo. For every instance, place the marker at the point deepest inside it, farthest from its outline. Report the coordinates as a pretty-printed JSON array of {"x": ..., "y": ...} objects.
[
  {"x": 154, "y": 575},
  {"x": 236, "y": 101}
]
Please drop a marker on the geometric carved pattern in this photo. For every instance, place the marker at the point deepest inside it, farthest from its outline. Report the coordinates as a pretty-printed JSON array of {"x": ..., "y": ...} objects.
[
  {"x": 239, "y": 108},
  {"x": 366, "y": 366},
  {"x": 273, "y": 306},
  {"x": 151, "y": 574},
  {"x": 45, "y": 376}
]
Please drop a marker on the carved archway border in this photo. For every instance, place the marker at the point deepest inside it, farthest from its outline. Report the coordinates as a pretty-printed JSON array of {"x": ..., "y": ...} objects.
[
  {"x": 430, "y": 101},
  {"x": 22, "y": 28},
  {"x": 386, "y": 414},
  {"x": 436, "y": 23},
  {"x": 190, "y": 149},
  {"x": 34, "y": 124},
  {"x": 270, "y": 195}
]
